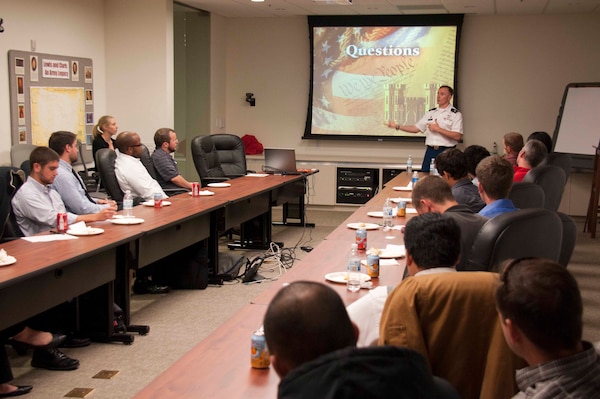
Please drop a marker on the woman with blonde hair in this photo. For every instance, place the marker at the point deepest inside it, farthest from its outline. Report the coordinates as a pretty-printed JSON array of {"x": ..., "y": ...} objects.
[{"x": 103, "y": 133}]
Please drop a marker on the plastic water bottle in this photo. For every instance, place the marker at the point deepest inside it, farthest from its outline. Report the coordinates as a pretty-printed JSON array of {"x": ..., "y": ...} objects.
[
  {"x": 409, "y": 165},
  {"x": 353, "y": 282},
  {"x": 432, "y": 170},
  {"x": 415, "y": 178},
  {"x": 128, "y": 204},
  {"x": 387, "y": 214}
]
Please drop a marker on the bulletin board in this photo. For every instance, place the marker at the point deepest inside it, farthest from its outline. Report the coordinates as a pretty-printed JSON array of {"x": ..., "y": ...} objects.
[{"x": 50, "y": 92}]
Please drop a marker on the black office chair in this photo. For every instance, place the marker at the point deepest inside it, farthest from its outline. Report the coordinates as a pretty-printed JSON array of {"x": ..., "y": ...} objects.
[
  {"x": 552, "y": 180},
  {"x": 90, "y": 177},
  {"x": 562, "y": 160},
  {"x": 533, "y": 232},
  {"x": 569, "y": 237},
  {"x": 10, "y": 180},
  {"x": 26, "y": 167},
  {"x": 105, "y": 163},
  {"x": 146, "y": 160},
  {"x": 218, "y": 157},
  {"x": 527, "y": 195}
]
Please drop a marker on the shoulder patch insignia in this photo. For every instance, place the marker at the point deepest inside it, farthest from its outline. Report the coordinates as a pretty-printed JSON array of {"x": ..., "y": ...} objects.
[
  {"x": 453, "y": 110},
  {"x": 433, "y": 109}
]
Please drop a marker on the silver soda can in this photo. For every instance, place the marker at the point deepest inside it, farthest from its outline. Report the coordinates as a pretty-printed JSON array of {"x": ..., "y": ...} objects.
[
  {"x": 373, "y": 265},
  {"x": 259, "y": 353}
]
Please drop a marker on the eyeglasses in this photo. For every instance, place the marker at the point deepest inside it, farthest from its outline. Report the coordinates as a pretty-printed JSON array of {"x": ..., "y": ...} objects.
[{"x": 137, "y": 145}]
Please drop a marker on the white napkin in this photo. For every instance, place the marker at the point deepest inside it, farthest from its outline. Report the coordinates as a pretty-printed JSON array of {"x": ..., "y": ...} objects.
[
  {"x": 4, "y": 256},
  {"x": 78, "y": 227},
  {"x": 50, "y": 237},
  {"x": 206, "y": 192},
  {"x": 399, "y": 199}
]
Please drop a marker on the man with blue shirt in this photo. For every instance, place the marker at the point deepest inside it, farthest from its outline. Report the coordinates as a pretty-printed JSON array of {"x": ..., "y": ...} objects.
[
  {"x": 495, "y": 176},
  {"x": 68, "y": 183}
]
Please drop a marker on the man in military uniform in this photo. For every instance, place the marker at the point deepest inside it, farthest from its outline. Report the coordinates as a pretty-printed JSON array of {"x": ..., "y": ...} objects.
[{"x": 443, "y": 126}]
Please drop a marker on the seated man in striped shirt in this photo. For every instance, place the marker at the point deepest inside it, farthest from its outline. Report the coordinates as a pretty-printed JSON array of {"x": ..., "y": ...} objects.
[{"x": 540, "y": 308}]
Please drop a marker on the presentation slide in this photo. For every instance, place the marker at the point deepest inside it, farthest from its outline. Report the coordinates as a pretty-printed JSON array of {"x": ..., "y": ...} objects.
[{"x": 365, "y": 76}]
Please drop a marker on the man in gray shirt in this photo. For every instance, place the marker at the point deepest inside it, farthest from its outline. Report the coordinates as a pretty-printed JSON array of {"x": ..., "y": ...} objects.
[{"x": 36, "y": 204}]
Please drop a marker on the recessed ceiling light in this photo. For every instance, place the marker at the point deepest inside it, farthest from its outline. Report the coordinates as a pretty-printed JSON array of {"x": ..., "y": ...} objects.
[{"x": 257, "y": 1}]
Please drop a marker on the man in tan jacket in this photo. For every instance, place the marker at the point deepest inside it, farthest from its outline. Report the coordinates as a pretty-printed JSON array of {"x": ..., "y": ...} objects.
[{"x": 450, "y": 318}]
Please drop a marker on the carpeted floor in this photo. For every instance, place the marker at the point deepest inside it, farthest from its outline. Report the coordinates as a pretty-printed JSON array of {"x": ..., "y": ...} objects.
[{"x": 182, "y": 318}]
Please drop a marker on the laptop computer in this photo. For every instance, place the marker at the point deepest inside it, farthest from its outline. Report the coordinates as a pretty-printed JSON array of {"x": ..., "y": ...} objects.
[{"x": 280, "y": 161}]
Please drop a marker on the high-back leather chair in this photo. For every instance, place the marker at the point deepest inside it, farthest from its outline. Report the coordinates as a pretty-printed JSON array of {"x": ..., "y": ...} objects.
[
  {"x": 562, "y": 160},
  {"x": 105, "y": 164},
  {"x": 569, "y": 237},
  {"x": 527, "y": 195},
  {"x": 147, "y": 161},
  {"x": 218, "y": 157},
  {"x": 20, "y": 153},
  {"x": 552, "y": 180},
  {"x": 10, "y": 180},
  {"x": 532, "y": 232},
  {"x": 451, "y": 319}
]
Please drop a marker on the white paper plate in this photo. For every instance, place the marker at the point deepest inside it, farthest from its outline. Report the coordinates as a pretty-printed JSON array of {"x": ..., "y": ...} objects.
[
  {"x": 151, "y": 203},
  {"x": 342, "y": 277},
  {"x": 204, "y": 193},
  {"x": 9, "y": 261},
  {"x": 127, "y": 221},
  {"x": 375, "y": 214},
  {"x": 411, "y": 211},
  {"x": 219, "y": 184},
  {"x": 402, "y": 188},
  {"x": 89, "y": 231},
  {"x": 397, "y": 200},
  {"x": 367, "y": 226}
]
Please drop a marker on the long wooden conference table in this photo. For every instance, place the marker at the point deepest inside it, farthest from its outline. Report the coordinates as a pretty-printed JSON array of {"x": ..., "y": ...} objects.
[
  {"x": 48, "y": 273},
  {"x": 219, "y": 366}
]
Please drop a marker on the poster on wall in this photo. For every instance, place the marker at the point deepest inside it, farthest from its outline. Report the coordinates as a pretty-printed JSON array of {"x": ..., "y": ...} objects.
[{"x": 47, "y": 93}]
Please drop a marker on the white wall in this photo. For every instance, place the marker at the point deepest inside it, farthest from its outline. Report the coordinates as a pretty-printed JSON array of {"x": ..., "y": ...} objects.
[
  {"x": 139, "y": 64},
  {"x": 64, "y": 27},
  {"x": 512, "y": 73}
]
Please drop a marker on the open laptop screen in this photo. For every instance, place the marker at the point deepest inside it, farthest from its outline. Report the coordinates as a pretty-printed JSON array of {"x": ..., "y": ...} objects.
[{"x": 280, "y": 160}]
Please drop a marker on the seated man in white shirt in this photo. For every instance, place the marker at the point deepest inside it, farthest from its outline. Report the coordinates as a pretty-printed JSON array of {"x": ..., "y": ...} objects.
[
  {"x": 36, "y": 204},
  {"x": 131, "y": 174},
  {"x": 68, "y": 183},
  {"x": 440, "y": 255}
]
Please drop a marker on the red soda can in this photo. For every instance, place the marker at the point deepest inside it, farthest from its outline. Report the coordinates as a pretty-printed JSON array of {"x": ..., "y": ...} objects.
[
  {"x": 158, "y": 200},
  {"x": 195, "y": 189},
  {"x": 62, "y": 224},
  {"x": 361, "y": 238}
]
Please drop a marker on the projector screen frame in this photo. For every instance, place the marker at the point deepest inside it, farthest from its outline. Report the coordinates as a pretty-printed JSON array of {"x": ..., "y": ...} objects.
[{"x": 433, "y": 20}]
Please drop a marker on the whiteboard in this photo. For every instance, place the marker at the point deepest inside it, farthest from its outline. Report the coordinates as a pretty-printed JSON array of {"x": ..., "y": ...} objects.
[{"x": 577, "y": 128}]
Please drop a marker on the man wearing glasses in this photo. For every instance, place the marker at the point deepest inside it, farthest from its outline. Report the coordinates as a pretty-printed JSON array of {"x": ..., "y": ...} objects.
[{"x": 131, "y": 174}]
